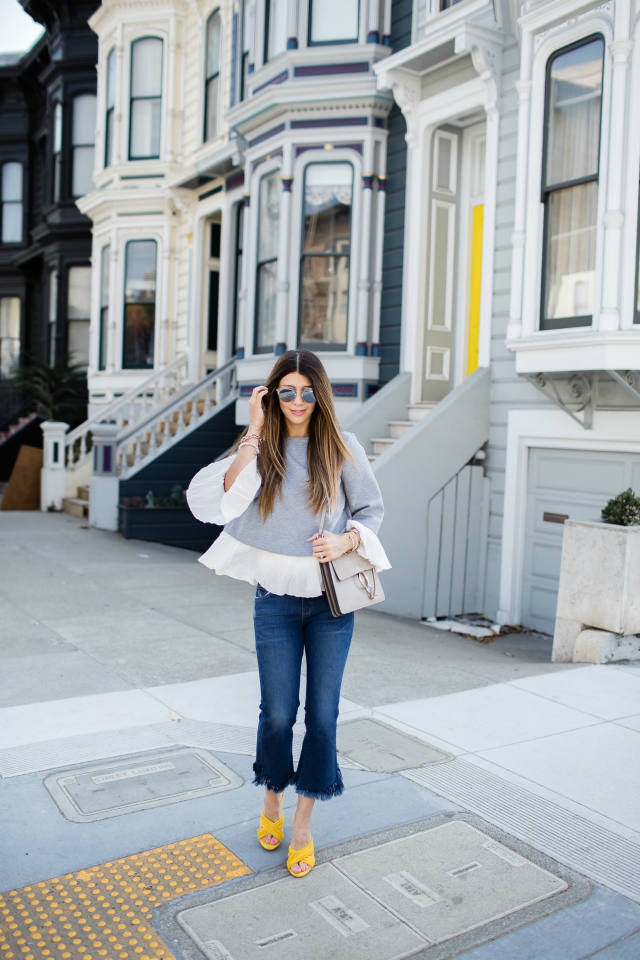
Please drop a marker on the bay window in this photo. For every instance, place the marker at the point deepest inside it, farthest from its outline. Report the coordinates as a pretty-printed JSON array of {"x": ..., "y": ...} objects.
[
  {"x": 267, "y": 278},
  {"x": 212, "y": 83},
  {"x": 324, "y": 266},
  {"x": 78, "y": 314},
  {"x": 105, "y": 266},
  {"x": 145, "y": 114},
  {"x": 333, "y": 21},
  {"x": 570, "y": 184},
  {"x": 139, "y": 304},
  {"x": 83, "y": 140},
  {"x": 275, "y": 28},
  {"x": 12, "y": 203},
  {"x": 110, "y": 104}
]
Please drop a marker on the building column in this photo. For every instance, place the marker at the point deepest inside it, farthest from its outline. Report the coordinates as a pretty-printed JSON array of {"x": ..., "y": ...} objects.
[
  {"x": 243, "y": 319},
  {"x": 514, "y": 327},
  {"x": 609, "y": 318},
  {"x": 282, "y": 311},
  {"x": 115, "y": 305},
  {"x": 373, "y": 26},
  {"x": 364, "y": 281},
  {"x": 386, "y": 27},
  {"x": 381, "y": 196},
  {"x": 292, "y": 25}
]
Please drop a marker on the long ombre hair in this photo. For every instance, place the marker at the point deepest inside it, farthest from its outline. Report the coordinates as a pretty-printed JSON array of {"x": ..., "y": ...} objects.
[{"x": 326, "y": 451}]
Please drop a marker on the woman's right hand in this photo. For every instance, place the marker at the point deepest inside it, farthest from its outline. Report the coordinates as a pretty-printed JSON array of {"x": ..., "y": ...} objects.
[{"x": 256, "y": 410}]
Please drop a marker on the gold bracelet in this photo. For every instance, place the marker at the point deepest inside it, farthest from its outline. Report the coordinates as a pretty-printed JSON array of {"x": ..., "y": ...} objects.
[{"x": 354, "y": 542}]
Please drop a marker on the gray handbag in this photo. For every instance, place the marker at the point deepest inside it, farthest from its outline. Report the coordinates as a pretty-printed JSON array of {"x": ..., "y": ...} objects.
[{"x": 350, "y": 582}]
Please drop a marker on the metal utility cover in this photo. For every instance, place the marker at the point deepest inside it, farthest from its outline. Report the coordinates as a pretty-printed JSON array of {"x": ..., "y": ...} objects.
[
  {"x": 449, "y": 879},
  {"x": 152, "y": 780},
  {"x": 323, "y": 917},
  {"x": 384, "y": 749}
]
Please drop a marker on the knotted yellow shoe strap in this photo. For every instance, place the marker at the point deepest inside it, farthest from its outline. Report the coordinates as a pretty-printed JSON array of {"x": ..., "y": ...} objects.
[
  {"x": 271, "y": 827},
  {"x": 303, "y": 855}
]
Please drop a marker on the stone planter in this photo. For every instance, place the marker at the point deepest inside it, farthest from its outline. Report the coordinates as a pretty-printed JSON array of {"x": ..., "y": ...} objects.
[{"x": 598, "y": 614}]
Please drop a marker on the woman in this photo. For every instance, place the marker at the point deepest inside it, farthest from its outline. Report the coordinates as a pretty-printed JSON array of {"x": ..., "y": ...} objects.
[{"x": 290, "y": 465}]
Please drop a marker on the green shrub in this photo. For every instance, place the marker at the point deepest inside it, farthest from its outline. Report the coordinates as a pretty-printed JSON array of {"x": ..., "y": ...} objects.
[{"x": 623, "y": 510}]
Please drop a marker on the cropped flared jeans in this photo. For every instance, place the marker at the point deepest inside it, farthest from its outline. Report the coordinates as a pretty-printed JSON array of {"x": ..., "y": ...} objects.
[{"x": 285, "y": 628}]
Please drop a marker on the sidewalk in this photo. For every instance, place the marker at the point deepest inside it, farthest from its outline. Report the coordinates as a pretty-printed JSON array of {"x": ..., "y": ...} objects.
[{"x": 128, "y": 707}]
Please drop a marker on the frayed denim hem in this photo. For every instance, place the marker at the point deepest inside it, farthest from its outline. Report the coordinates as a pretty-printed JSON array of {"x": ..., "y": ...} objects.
[
  {"x": 335, "y": 790},
  {"x": 262, "y": 780}
]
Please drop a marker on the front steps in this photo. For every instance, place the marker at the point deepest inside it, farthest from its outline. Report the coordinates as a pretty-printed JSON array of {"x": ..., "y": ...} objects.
[
  {"x": 77, "y": 506},
  {"x": 398, "y": 428}
]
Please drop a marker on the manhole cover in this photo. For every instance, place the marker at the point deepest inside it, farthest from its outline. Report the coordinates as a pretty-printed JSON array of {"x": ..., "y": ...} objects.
[
  {"x": 112, "y": 789},
  {"x": 381, "y": 903},
  {"x": 323, "y": 917},
  {"x": 383, "y": 749}
]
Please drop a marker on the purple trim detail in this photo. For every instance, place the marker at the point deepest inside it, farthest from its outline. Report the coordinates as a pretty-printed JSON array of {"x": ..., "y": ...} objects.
[
  {"x": 106, "y": 458},
  {"x": 268, "y": 156},
  {"x": 379, "y": 122},
  {"x": 382, "y": 183},
  {"x": 239, "y": 353},
  {"x": 367, "y": 182},
  {"x": 266, "y": 135},
  {"x": 279, "y": 79},
  {"x": 370, "y": 389},
  {"x": 375, "y": 350},
  {"x": 361, "y": 349},
  {"x": 329, "y": 122},
  {"x": 235, "y": 181},
  {"x": 328, "y": 69},
  {"x": 344, "y": 389},
  {"x": 373, "y": 37},
  {"x": 246, "y": 199},
  {"x": 279, "y": 349},
  {"x": 386, "y": 40},
  {"x": 292, "y": 43},
  {"x": 286, "y": 184},
  {"x": 251, "y": 68}
]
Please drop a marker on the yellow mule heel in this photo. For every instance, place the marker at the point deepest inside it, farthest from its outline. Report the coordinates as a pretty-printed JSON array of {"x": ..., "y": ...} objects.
[
  {"x": 305, "y": 856},
  {"x": 273, "y": 827}
]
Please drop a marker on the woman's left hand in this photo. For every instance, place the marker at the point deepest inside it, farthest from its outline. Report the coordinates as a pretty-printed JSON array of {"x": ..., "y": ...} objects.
[{"x": 329, "y": 546}]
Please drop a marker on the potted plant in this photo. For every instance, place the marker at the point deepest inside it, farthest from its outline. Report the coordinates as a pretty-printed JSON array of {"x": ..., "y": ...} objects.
[{"x": 598, "y": 613}]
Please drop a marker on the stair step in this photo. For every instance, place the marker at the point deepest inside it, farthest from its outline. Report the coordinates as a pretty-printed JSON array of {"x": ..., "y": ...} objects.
[
  {"x": 380, "y": 444},
  {"x": 398, "y": 428},
  {"x": 83, "y": 493},
  {"x": 75, "y": 506},
  {"x": 419, "y": 410}
]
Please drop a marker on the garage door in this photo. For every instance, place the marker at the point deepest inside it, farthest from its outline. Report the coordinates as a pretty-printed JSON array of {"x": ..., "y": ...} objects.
[{"x": 564, "y": 483}]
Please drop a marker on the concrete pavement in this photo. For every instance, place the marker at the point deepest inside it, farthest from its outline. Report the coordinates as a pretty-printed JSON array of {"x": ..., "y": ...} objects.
[{"x": 121, "y": 660}]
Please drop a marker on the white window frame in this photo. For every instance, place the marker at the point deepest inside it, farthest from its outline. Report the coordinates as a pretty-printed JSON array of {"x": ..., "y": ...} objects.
[
  {"x": 142, "y": 231},
  {"x": 152, "y": 33}
]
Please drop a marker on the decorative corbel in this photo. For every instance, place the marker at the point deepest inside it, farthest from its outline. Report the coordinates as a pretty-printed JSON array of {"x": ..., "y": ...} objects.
[
  {"x": 405, "y": 87},
  {"x": 485, "y": 48}
]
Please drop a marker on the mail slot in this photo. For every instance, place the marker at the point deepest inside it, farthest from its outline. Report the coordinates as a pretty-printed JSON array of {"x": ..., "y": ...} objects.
[{"x": 555, "y": 517}]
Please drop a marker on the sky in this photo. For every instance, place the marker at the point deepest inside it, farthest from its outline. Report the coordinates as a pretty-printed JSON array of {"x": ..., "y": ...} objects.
[{"x": 19, "y": 32}]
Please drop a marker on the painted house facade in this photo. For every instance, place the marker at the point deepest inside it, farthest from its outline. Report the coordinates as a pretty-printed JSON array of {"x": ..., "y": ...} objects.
[{"x": 441, "y": 200}]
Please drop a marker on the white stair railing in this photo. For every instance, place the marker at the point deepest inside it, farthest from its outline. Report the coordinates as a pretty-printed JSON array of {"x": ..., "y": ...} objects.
[
  {"x": 132, "y": 407},
  {"x": 149, "y": 437}
]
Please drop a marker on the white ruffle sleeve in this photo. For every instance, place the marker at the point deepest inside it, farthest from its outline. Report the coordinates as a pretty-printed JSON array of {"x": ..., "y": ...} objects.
[
  {"x": 208, "y": 500},
  {"x": 370, "y": 547}
]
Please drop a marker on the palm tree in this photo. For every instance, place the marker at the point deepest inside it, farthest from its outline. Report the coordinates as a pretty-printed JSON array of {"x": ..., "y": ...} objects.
[{"x": 57, "y": 392}]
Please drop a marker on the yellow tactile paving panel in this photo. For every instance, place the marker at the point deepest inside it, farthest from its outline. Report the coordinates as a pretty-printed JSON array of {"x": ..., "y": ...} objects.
[{"x": 104, "y": 912}]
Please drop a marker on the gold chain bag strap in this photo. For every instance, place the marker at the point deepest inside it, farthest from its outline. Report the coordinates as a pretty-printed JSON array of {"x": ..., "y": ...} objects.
[{"x": 350, "y": 582}]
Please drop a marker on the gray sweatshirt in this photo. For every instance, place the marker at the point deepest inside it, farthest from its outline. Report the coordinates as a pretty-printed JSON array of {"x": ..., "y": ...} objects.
[{"x": 292, "y": 521}]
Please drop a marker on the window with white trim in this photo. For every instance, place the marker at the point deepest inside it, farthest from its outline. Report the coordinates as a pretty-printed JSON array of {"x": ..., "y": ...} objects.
[
  {"x": 267, "y": 274},
  {"x": 570, "y": 184},
  {"x": 145, "y": 117},
  {"x": 244, "y": 58},
  {"x": 139, "y": 304},
  {"x": 12, "y": 202},
  {"x": 57, "y": 151},
  {"x": 325, "y": 259},
  {"x": 333, "y": 21},
  {"x": 83, "y": 144},
  {"x": 78, "y": 314},
  {"x": 9, "y": 335},
  {"x": 275, "y": 28},
  {"x": 105, "y": 268},
  {"x": 53, "y": 315},
  {"x": 212, "y": 81}
]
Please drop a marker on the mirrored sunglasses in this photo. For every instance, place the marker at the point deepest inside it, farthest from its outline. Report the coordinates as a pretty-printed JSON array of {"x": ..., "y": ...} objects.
[{"x": 288, "y": 394}]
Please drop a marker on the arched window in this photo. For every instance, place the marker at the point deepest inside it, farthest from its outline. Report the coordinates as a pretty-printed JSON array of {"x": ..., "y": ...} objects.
[
  {"x": 83, "y": 140},
  {"x": 111, "y": 103},
  {"x": 275, "y": 28},
  {"x": 324, "y": 265},
  {"x": 267, "y": 277},
  {"x": 570, "y": 184},
  {"x": 212, "y": 82},
  {"x": 145, "y": 116},
  {"x": 139, "y": 304},
  {"x": 333, "y": 21},
  {"x": 12, "y": 204}
]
